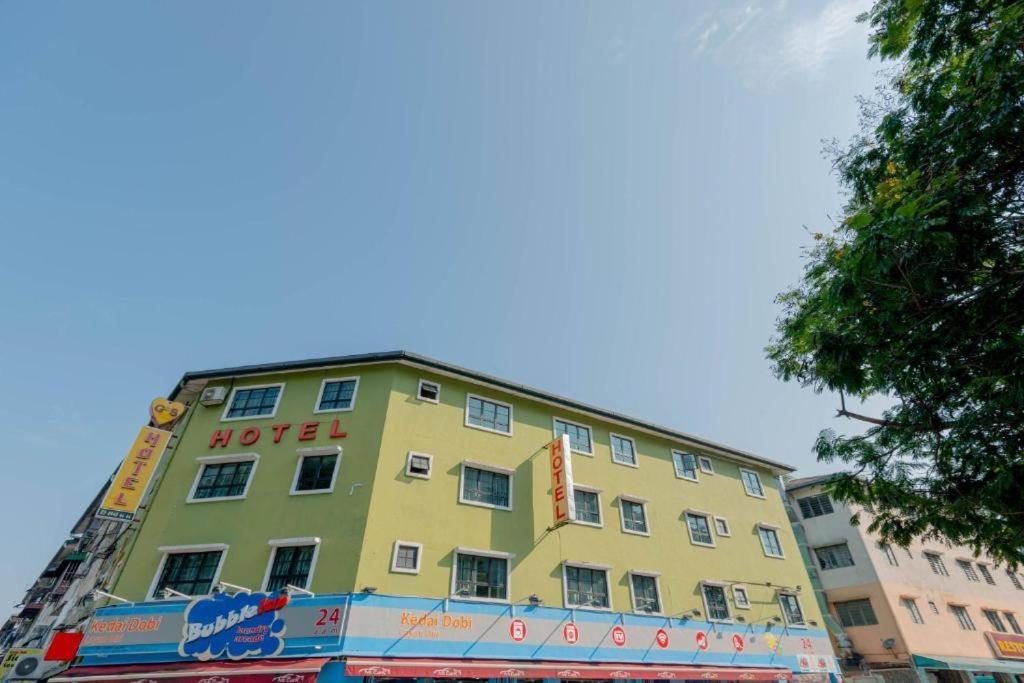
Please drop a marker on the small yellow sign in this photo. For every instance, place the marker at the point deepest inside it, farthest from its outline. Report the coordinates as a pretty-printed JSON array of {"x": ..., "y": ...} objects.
[
  {"x": 166, "y": 412},
  {"x": 12, "y": 657},
  {"x": 133, "y": 477}
]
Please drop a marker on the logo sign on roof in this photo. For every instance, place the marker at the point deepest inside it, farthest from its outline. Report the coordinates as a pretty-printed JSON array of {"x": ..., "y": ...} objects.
[
  {"x": 239, "y": 626},
  {"x": 563, "y": 503}
]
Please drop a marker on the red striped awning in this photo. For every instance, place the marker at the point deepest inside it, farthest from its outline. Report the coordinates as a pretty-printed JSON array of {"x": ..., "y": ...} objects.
[
  {"x": 256, "y": 671},
  {"x": 480, "y": 668}
]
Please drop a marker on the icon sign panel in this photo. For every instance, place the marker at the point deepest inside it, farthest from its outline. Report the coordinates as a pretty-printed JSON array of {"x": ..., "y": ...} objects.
[
  {"x": 619, "y": 636},
  {"x": 702, "y": 640},
  {"x": 571, "y": 633},
  {"x": 737, "y": 642},
  {"x": 517, "y": 630},
  {"x": 661, "y": 638}
]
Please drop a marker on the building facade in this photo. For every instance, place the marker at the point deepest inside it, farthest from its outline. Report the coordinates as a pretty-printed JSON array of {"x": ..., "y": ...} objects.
[
  {"x": 416, "y": 499},
  {"x": 929, "y": 610}
]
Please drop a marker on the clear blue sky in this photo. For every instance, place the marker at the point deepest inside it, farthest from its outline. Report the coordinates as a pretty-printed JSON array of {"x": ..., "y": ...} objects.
[{"x": 599, "y": 199}]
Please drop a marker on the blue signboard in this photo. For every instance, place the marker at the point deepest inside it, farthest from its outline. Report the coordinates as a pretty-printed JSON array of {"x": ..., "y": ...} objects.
[{"x": 237, "y": 626}]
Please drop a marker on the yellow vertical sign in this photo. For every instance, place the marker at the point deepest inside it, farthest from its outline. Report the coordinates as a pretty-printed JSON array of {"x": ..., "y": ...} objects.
[{"x": 133, "y": 477}]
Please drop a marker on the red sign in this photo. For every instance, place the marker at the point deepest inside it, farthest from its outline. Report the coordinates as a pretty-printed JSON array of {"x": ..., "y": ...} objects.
[
  {"x": 737, "y": 642},
  {"x": 1006, "y": 645},
  {"x": 63, "y": 647},
  {"x": 702, "y": 640},
  {"x": 517, "y": 630},
  {"x": 661, "y": 638},
  {"x": 571, "y": 633},
  {"x": 307, "y": 431},
  {"x": 619, "y": 636}
]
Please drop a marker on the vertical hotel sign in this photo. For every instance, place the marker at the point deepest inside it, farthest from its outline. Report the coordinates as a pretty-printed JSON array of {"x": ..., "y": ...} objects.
[
  {"x": 563, "y": 503},
  {"x": 136, "y": 472}
]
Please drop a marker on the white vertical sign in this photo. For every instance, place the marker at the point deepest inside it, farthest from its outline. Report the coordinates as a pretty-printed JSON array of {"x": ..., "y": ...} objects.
[{"x": 563, "y": 502}]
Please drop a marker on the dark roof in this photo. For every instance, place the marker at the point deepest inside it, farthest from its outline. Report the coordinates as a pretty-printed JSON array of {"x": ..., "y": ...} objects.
[
  {"x": 440, "y": 366},
  {"x": 804, "y": 482}
]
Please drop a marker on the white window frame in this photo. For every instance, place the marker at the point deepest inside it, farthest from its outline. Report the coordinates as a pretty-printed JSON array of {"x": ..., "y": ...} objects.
[
  {"x": 483, "y": 553},
  {"x": 657, "y": 587},
  {"x": 587, "y": 565},
  {"x": 205, "y": 460},
  {"x": 511, "y": 420},
  {"x": 764, "y": 491},
  {"x": 709, "y": 518},
  {"x": 492, "y": 468},
  {"x": 701, "y": 459},
  {"x": 600, "y": 511},
  {"x": 696, "y": 463},
  {"x": 231, "y": 399},
  {"x": 320, "y": 395},
  {"x": 394, "y": 557},
  {"x": 408, "y": 465},
  {"x": 764, "y": 548},
  {"x": 912, "y": 600},
  {"x": 419, "y": 388},
  {"x": 314, "y": 451},
  {"x": 736, "y": 590},
  {"x": 554, "y": 432},
  {"x": 166, "y": 550},
  {"x": 292, "y": 543},
  {"x": 799, "y": 603},
  {"x": 728, "y": 528},
  {"x": 611, "y": 448},
  {"x": 642, "y": 502},
  {"x": 704, "y": 600}
]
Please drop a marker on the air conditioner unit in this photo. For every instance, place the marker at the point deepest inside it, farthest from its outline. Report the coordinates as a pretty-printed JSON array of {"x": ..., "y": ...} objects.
[
  {"x": 213, "y": 396},
  {"x": 33, "y": 668}
]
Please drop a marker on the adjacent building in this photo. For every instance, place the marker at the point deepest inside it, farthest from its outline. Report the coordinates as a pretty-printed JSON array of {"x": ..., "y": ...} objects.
[{"x": 929, "y": 610}]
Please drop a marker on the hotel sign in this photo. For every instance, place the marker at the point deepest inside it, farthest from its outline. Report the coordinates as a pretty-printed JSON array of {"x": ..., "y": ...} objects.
[
  {"x": 563, "y": 503},
  {"x": 1006, "y": 645}
]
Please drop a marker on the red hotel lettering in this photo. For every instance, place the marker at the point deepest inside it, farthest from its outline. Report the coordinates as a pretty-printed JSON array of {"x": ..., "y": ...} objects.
[
  {"x": 249, "y": 436},
  {"x": 279, "y": 431},
  {"x": 144, "y": 454},
  {"x": 129, "y": 483},
  {"x": 221, "y": 437},
  {"x": 336, "y": 432},
  {"x": 307, "y": 431},
  {"x": 120, "y": 500}
]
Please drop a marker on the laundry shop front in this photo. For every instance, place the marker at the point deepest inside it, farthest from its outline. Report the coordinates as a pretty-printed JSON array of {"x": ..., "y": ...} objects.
[{"x": 281, "y": 638}]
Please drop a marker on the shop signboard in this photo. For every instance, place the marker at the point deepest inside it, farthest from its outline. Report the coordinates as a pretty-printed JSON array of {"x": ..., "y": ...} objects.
[
  {"x": 13, "y": 655},
  {"x": 237, "y": 626},
  {"x": 563, "y": 503},
  {"x": 1006, "y": 645}
]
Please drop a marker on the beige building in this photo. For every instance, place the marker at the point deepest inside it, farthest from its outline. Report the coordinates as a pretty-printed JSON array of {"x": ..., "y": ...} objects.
[{"x": 930, "y": 611}]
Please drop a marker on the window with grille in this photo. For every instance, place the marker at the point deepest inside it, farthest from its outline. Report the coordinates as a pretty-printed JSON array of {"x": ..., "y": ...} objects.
[
  {"x": 223, "y": 480},
  {"x": 406, "y": 558},
  {"x": 770, "y": 541},
  {"x": 588, "y": 506},
  {"x": 855, "y": 613},
  {"x": 586, "y": 587},
  {"x": 429, "y": 391},
  {"x": 752, "y": 483},
  {"x": 685, "y": 465},
  {"x": 623, "y": 450},
  {"x": 1012, "y": 621},
  {"x": 933, "y": 607},
  {"x": 645, "y": 593},
  {"x": 714, "y": 600},
  {"x": 815, "y": 506},
  {"x": 834, "y": 556},
  {"x": 188, "y": 573},
  {"x": 418, "y": 465},
  {"x": 700, "y": 530},
  {"x": 911, "y": 606},
  {"x": 968, "y": 570},
  {"x": 291, "y": 567},
  {"x": 579, "y": 436},
  {"x": 962, "y": 617},
  {"x": 890, "y": 555},
  {"x": 936, "y": 564},
  {"x": 634, "y": 517},
  {"x": 791, "y": 609},
  {"x": 254, "y": 402},
  {"x": 337, "y": 394},
  {"x": 489, "y": 415},
  {"x": 994, "y": 620},
  {"x": 480, "y": 576},
  {"x": 706, "y": 466},
  {"x": 486, "y": 487},
  {"x": 1014, "y": 579},
  {"x": 740, "y": 597},
  {"x": 986, "y": 574},
  {"x": 316, "y": 472}
]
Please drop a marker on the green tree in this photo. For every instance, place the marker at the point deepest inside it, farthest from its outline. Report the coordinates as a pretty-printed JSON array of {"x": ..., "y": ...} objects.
[{"x": 917, "y": 295}]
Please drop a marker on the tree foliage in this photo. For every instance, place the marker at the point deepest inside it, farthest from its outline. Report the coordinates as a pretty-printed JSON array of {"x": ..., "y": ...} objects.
[{"x": 918, "y": 294}]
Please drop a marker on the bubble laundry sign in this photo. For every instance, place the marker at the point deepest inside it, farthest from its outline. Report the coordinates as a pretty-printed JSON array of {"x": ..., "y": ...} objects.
[{"x": 240, "y": 625}]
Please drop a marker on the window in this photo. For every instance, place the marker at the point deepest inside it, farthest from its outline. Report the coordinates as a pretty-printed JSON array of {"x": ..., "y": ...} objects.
[
  {"x": 337, "y": 395},
  {"x": 890, "y": 555},
  {"x": 634, "y": 516},
  {"x": 481, "y": 576},
  {"x": 290, "y": 565},
  {"x": 190, "y": 573},
  {"x": 770, "y": 541},
  {"x": 418, "y": 465},
  {"x": 1012, "y": 621},
  {"x": 791, "y": 609},
  {"x": 588, "y": 506},
  {"x": 685, "y": 465},
  {"x": 700, "y": 530},
  {"x": 220, "y": 478},
  {"x": 855, "y": 613},
  {"x": 752, "y": 483},
  {"x": 968, "y": 570},
  {"x": 623, "y": 450},
  {"x": 815, "y": 506},
  {"x": 910, "y": 555},
  {"x": 405, "y": 557},
  {"x": 644, "y": 589},
  {"x": 253, "y": 402},
  {"x": 986, "y": 574},
  {"x": 740, "y": 597},
  {"x": 706, "y": 466},
  {"x": 910, "y": 605},
  {"x": 1014, "y": 579},
  {"x": 962, "y": 617},
  {"x": 933, "y": 607},
  {"x": 715, "y": 604},
  {"x": 429, "y": 391},
  {"x": 317, "y": 470},
  {"x": 492, "y": 416},
  {"x": 834, "y": 556},
  {"x": 936, "y": 563},
  {"x": 586, "y": 587},
  {"x": 994, "y": 620},
  {"x": 579, "y": 436},
  {"x": 722, "y": 526},
  {"x": 487, "y": 487}
]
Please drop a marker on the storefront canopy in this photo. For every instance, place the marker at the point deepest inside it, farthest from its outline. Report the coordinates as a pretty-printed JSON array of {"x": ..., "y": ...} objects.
[
  {"x": 476, "y": 668},
  {"x": 256, "y": 671},
  {"x": 969, "y": 664}
]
